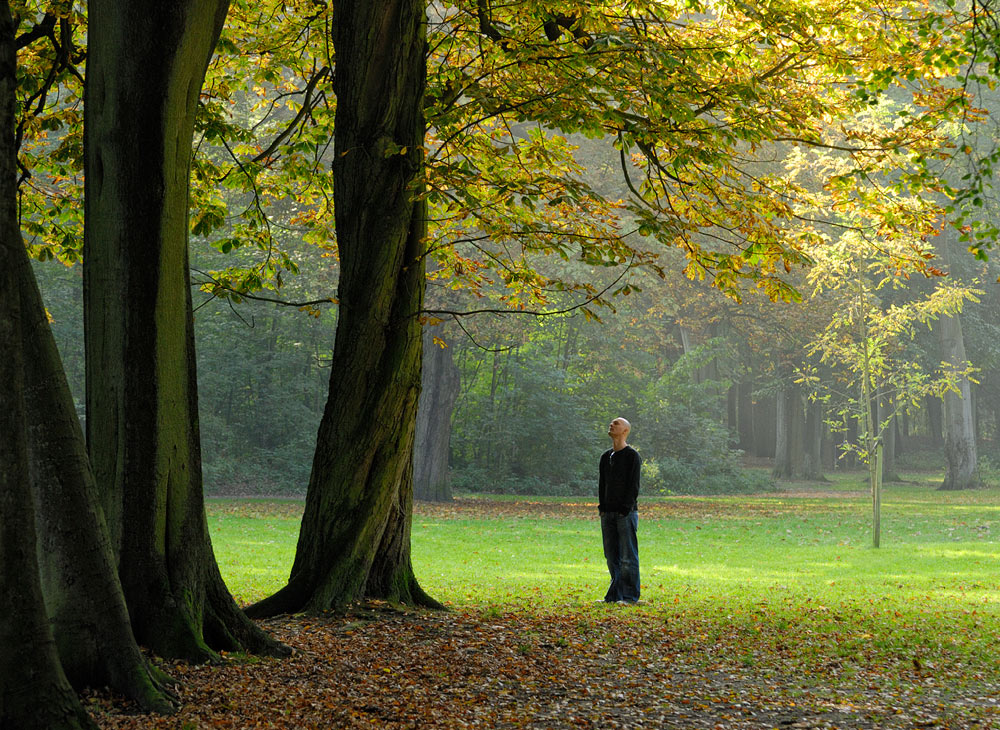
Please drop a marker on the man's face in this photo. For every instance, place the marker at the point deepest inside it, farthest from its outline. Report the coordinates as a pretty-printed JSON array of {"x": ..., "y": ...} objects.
[{"x": 617, "y": 428}]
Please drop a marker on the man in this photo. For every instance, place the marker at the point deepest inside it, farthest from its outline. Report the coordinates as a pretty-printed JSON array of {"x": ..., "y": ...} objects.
[{"x": 618, "y": 491}]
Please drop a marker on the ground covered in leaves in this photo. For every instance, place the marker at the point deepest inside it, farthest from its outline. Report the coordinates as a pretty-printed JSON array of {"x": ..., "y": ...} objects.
[{"x": 596, "y": 667}]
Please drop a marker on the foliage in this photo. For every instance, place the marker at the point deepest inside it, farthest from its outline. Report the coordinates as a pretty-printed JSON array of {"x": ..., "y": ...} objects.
[{"x": 530, "y": 420}]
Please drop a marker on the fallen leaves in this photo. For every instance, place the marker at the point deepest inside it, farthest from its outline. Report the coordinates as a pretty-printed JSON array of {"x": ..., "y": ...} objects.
[{"x": 600, "y": 667}]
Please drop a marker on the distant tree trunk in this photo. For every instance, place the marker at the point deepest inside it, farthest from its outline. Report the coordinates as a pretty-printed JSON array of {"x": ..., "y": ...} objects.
[
  {"x": 902, "y": 429},
  {"x": 782, "y": 441},
  {"x": 883, "y": 410},
  {"x": 744, "y": 416},
  {"x": 438, "y": 392},
  {"x": 789, "y": 428},
  {"x": 732, "y": 414},
  {"x": 765, "y": 427},
  {"x": 812, "y": 462},
  {"x": 849, "y": 459},
  {"x": 34, "y": 691},
  {"x": 959, "y": 434},
  {"x": 935, "y": 420},
  {"x": 145, "y": 66},
  {"x": 355, "y": 536}
]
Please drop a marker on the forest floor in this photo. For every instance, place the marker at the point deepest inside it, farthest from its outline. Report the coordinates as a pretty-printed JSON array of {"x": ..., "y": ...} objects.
[
  {"x": 760, "y": 612},
  {"x": 381, "y": 668}
]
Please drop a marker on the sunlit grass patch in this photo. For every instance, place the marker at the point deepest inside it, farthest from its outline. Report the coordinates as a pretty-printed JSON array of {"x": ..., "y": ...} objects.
[{"x": 786, "y": 576}]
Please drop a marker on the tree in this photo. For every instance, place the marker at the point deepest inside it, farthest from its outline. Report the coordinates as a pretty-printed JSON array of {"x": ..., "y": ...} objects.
[
  {"x": 355, "y": 536},
  {"x": 146, "y": 63},
  {"x": 34, "y": 691},
  {"x": 959, "y": 429},
  {"x": 438, "y": 391},
  {"x": 863, "y": 344}
]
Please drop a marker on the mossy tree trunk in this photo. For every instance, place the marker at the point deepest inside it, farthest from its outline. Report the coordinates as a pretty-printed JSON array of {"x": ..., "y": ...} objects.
[
  {"x": 82, "y": 592},
  {"x": 34, "y": 691},
  {"x": 355, "y": 536},
  {"x": 145, "y": 68},
  {"x": 959, "y": 427}
]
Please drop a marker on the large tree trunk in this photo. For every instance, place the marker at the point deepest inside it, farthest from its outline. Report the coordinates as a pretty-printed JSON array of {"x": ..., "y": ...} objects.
[
  {"x": 935, "y": 420},
  {"x": 145, "y": 67},
  {"x": 79, "y": 580},
  {"x": 355, "y": 536},
  {"x": 959, "y": 434},
  {"x": 34, "y": 691},
  {"x": 438, "y": 392}
]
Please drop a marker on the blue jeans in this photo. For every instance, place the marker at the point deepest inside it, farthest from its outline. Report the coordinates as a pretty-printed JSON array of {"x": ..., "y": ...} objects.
[{"x": 621, "y": 550}]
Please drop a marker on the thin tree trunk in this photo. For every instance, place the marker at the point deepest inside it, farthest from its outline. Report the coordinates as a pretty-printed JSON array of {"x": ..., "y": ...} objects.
[
  {"x": 355, "y": 536},
  {"x": 935, "y": 420},
  {"x": 146, "y": 62},
  {"x": 732, "y": 414},
  {"x": 789, "y": 428},
  {"x": 812, "y": 462},
  {"x": 765, "y": 426}
]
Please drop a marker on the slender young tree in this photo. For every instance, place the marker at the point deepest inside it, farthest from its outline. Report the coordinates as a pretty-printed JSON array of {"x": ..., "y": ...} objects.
[{"x": 146, "y": 63}]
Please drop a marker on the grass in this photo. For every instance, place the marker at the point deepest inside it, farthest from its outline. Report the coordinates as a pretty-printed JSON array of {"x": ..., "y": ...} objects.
[{"x": 790, "y": 573}]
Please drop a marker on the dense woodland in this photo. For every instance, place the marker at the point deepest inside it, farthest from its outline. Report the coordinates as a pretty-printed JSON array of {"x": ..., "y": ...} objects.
[
  {"x": 263, "y": 229},
  {"x": 525, "y": 399}
]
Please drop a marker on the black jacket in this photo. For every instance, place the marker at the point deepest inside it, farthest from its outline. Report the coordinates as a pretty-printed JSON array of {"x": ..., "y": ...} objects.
[{"x": 618, "y": 486}]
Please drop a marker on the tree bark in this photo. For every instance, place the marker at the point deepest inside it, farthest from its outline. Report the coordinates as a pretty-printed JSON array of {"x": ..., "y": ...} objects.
[
  {"x": 765, "y": 428},
  {"x": 885, "y": 414},
  {"x": 82, "y": 592},
  {"x": 355, "y": 536},
  {"x": 34, "y": 691},
  {"x": 812, "y": 448},
  {"x": 959, "y": 434},
  {"x": 146, "y": 63},
  {"x": 789, "y": 427},
  {"x": 438, "y": 392}
]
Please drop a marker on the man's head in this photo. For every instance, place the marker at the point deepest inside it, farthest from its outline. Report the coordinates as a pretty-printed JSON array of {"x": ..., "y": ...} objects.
[{"x": 619, "y": 428}]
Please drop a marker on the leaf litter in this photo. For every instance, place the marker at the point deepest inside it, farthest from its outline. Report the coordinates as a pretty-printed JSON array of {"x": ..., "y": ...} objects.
[{"x": 606, "y": 666}]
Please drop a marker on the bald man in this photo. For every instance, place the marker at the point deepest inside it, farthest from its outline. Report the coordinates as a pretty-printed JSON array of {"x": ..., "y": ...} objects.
[{"x": 618, "y": 490}]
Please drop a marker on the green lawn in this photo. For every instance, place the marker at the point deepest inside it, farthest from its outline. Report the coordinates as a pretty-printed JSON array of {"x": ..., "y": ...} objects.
[{"x": 778, "y": 573}]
